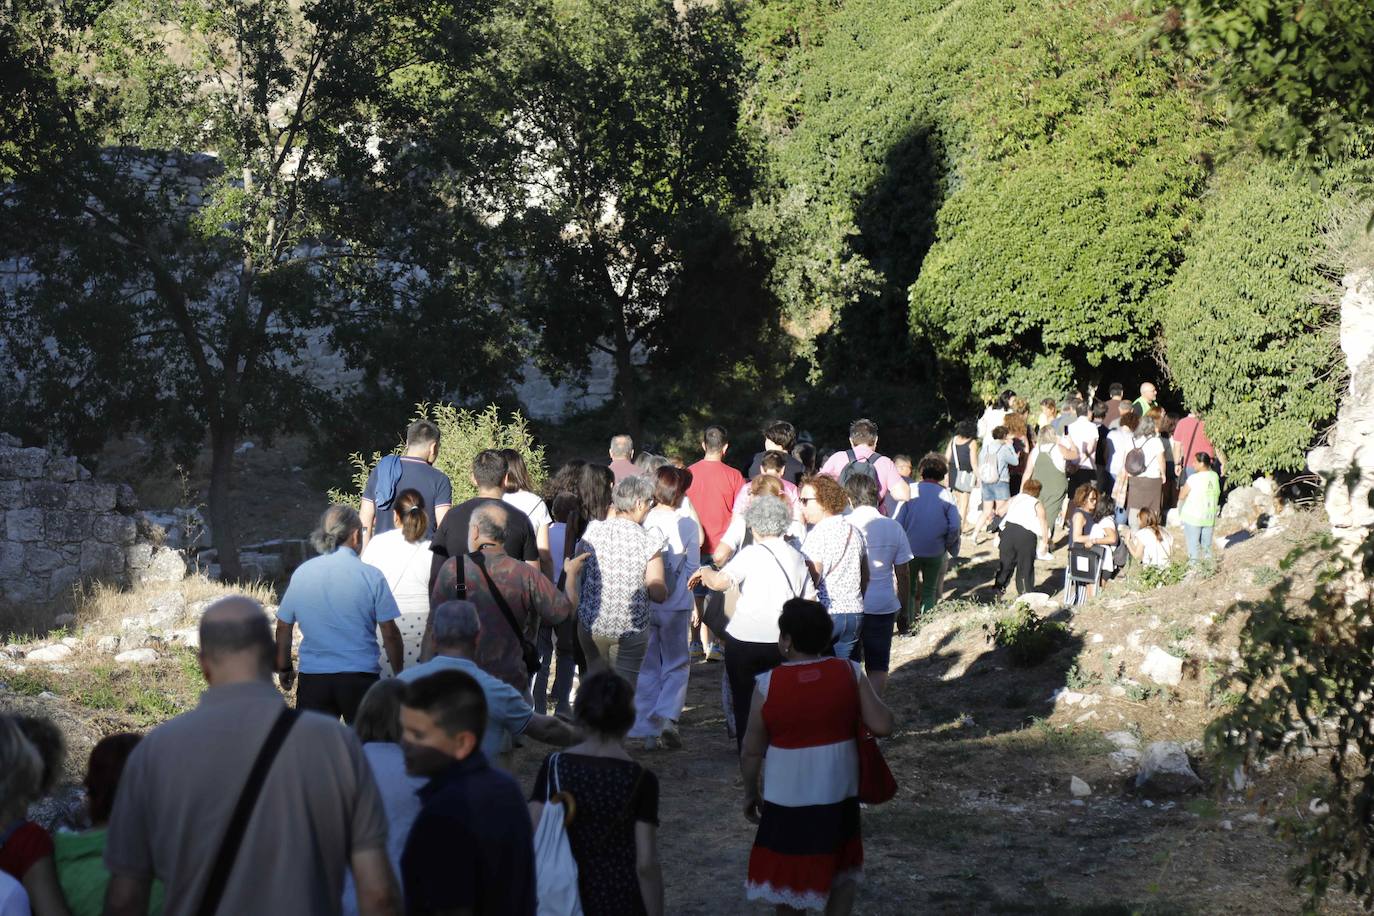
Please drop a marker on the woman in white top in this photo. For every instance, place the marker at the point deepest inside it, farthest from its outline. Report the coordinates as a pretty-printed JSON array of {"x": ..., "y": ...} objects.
[
  {"x": 662, "y": 687},
  {"x": 1144, "y": 485},
  {"x": 518, "y": 495},
  {"x": 402, "y": 554},
  {"x": 888, "y": 552},
  {"x": 1023, "y": 525},
  {"x": 1151, "y": 544},
  {"x": 768, "y": 572}
]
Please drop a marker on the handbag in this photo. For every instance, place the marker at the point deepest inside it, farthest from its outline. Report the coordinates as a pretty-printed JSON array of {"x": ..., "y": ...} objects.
[
  {"x": 555, "y": 869},
  {"x": 964, "y": 478},
  {"x": 876, "y": 782}
]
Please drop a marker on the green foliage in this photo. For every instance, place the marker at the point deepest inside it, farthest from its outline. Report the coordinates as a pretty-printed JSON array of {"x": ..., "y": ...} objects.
[
  {"x": 462, "y": 434},
  {"x": 1248, "y": 336},
  {"x": 1071, "y": 210},
  {"x": 1078, "y": 679},
  {"x": 1028, "y": 638},
  {"x": 1148, "y": 578},
  {"x": 1305, "y": 676}
]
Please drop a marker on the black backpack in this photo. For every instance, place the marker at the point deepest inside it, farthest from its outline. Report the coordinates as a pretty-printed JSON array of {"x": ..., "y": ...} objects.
[{"x": 859, "y": 467}]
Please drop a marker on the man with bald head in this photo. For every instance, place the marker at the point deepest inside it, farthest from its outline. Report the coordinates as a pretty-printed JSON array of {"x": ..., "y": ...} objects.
[
  {"x": 622, "y": 452},
  {"x": 490, "y": 578},
  {"x": 340, "y": 603},
  {"x": 317, "y": 813}
]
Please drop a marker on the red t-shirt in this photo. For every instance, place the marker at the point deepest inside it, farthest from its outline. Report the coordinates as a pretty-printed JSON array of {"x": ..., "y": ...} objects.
[
  {"x": 713, "y": 489},
  {"x": 26, "y": 845},
  {"x": 1194, "y": 430}
]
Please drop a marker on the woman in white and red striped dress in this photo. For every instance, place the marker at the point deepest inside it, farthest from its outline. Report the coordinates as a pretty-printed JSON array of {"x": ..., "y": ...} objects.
[{"x": 805, "y": 715}]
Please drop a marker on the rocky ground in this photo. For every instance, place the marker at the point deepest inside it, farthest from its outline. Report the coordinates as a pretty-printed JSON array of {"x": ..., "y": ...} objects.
[{"x": 1021, "y": 788}]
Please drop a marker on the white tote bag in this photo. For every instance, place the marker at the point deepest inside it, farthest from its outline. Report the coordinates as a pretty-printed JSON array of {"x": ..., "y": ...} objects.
[{"x": 555, "y": 868}]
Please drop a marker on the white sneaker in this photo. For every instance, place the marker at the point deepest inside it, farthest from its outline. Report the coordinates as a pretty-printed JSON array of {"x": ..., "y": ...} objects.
[{"x": 1044, "y": 556}]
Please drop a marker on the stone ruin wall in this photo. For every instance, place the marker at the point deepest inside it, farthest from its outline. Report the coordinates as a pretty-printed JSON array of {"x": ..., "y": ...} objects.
[
  {"x": 59, "y": 527},
  {"x": 1346, "y": 461}
]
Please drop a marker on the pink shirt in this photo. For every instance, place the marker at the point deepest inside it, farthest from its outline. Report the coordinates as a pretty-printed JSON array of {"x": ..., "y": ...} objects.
[
  {"x": 789, "y": 493},
  {"x": 886, "y": 470}
]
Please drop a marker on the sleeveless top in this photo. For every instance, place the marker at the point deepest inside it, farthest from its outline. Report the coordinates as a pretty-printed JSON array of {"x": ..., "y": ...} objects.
[
  {"x": 1087, "y": 524},
  {"x": 811, "y": 711}
]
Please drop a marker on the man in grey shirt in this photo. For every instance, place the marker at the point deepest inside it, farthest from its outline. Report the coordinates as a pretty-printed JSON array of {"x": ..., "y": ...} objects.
[{"x": 319, "y": 811}]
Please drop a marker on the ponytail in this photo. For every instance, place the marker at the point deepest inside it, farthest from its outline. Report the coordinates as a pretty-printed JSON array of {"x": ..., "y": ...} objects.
[{"x": 410, "y": 506}]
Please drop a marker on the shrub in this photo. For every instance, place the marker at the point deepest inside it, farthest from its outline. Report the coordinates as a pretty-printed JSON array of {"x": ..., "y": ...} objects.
[
  {"x": 1304, "y": 681},
  {"x": 462, "y": 434},
  {"x": 1247, "y": 331},
  {"x": 1028, "y": 638}
]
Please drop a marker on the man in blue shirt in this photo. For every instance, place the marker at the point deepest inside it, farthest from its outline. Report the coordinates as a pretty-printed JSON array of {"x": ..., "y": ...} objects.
[
  {"x": 457, "y": 628},
  {"x": 340, "y": 602},
  {"x": 931, "y": 521},
  {"x": 471, "y": 848}
]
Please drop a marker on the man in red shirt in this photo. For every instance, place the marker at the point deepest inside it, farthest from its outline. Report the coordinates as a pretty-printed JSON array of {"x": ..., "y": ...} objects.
[
  {"x": 1190, "y": 437},
  {"x": 713, "y": 490}
]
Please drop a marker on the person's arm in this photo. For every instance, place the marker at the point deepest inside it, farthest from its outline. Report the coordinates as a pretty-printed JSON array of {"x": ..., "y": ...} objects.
[
  {"x": 550, "y": 730},
  {"x": 903, "y": 582},
  {"x": 439, "y": 513},
  {"x": 1029, "y": 472},
  {"x": 647, "y": 867},
  {"x": 1134, "y": 546},
  {"x": 864, "y": 574},
  {"x": 285, "y": 674},
  {"x": 714, "y": 579},
  {"x": 572, "y": 583},
  {"x": 1159, "y": 461},
  {"x": 1183, "y": 492},
  {"x": 394, "y": 645},
  {"x": 45, "y": 894},
  {"x": 898, "y": 488},
  {"x": 654, "y": 581},
  {"x": 1080, "y": 528},
  {"x": 751, "y": 757},
  {"x": 367, "y": 514},
  {"x": 954, "y": 526},
  {"x": 1070, "y": 451},
  {"x": 1044, "y": 522},
  {"x": 541, "y": 539},
  {"x": 125, "y": 896},
  {"x": 378, "y": 894},
  {"x": 877, "y": 717}
]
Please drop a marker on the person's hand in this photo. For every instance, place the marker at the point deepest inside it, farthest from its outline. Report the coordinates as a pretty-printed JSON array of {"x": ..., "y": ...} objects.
[
  {"x": 694, "y": 579},
  {"x": 573, "y": 565},
  {"x": 751, "y": 809}
]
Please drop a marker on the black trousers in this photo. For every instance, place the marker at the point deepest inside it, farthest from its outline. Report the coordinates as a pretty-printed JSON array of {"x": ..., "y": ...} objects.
[
  {"x": 336, "y": 695},
  {"x": 745, "y": 661},
  {"x": 1017, "y": 551}
]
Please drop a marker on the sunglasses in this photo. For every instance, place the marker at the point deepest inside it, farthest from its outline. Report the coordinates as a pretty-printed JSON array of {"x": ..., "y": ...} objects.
[{"x": 806, "y": 499}]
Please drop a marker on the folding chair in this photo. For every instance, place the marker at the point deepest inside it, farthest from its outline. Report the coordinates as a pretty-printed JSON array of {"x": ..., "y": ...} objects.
[{"x": 1083, "y": 569}]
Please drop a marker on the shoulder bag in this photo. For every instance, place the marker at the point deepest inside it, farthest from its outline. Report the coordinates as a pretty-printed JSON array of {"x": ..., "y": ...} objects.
[
  {"x": 527, "y": 650},
  {"x": 876, "y": 782},
  {"x": 555, "y": 869},
  {"x": 243, "y": 811}
]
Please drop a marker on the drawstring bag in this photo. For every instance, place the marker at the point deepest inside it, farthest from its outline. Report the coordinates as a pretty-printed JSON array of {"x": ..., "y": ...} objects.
[{"x": 555, "y": 869}]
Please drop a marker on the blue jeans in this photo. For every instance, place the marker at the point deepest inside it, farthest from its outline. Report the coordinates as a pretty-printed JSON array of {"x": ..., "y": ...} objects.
[
  {"x": 846, "y": 643},
  {"x": 1199, "y": 539}
]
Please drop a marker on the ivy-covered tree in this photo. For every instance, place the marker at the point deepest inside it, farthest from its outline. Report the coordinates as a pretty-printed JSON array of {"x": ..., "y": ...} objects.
[
  {"x": 633, "y": 164},
  {"x": 334, "y": 197}
]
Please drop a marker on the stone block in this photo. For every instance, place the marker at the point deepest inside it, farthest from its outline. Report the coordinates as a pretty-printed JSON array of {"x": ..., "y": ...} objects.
[
  {"x": 101, "y": 560},
  {"x": 62, "y": 470},
  {"x": 1162, "y": 668},
  {"x": 62, "y": 581},
  {"x": 137, "y": 657},
  {"x": 24, "y": 589},
  {"x": 11, "y": 559},
  {"x": 1165, "y": 770},
  {"x": 93, "y": 497},
  {"x": 22, "y": 463},
  {"x": 139, "y": 556},
  {"x": 54, "y": 653},
  {"x": 61, "y": 526},
  {"x": 39, "y": 559},
  {"x": 11, "y": 494},
  {"x": 44, "y": 494},
  {"x": 126, "y": 501},
  {"x": 115, "y": 529},
  {"x": 24, "y": 525},
  {"x": 165, "y": 566}
]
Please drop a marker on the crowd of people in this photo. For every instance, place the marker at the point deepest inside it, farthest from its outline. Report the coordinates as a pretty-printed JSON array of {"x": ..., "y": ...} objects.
[{"x": 436, "y": 639}]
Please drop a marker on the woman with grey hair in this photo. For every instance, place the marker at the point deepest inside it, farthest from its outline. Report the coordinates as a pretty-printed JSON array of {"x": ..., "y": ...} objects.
[
  {"x": 340, "y": 603},
  {"x": 768, "y": 572},
  {"x": 1144, "y": 471},
  {"x": 617, "y": 571},
  {"x": 378, "y": 726}
]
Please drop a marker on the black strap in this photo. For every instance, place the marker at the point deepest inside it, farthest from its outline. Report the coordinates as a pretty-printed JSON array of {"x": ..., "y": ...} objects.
[
  {"x": 500, "y": 600},
  {"x": 243, "y": 811}
]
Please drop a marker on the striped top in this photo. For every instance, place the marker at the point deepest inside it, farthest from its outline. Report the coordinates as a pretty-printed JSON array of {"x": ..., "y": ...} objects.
[{"x": 811, "y": 711}]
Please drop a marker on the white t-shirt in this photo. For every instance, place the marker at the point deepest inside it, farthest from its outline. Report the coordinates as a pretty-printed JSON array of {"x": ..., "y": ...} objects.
[
  {"x": 888, "y": 548},
  {"x": 1119, "y": 443},
  {"x": 992, "y": 418},
  {"x": 1154, "y": 551},
  {"x": 682, "y": 554},
  {"x": 14, "y": 900},
  {"x": 406, "y": 567},
  {"x": 768, "y": 573},
  {"x": 1100, "y": 529},
  {"x": 1153, "y": 448},
  {"x": 531, "y": 505},
  {"x": 1021, "y": 511},
  {"x": 1083, "y": 433}
]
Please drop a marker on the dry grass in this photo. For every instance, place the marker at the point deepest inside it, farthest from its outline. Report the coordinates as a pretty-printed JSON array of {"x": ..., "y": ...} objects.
[{"x": 100, "y": 608}]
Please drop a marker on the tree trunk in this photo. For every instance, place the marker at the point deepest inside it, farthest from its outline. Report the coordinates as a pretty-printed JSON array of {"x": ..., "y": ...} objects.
[
  {"x": 627, "y": 384},
  {"x": 222, "y": 441}
]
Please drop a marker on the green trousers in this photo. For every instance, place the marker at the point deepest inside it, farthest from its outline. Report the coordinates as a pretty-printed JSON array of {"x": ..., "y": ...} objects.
[{"x": 926, "y": 575}]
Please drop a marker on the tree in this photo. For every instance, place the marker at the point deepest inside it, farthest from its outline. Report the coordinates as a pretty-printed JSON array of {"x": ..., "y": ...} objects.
[
  {"x": 334, "y": 200},
  {"x": 632, "y": 163}
]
